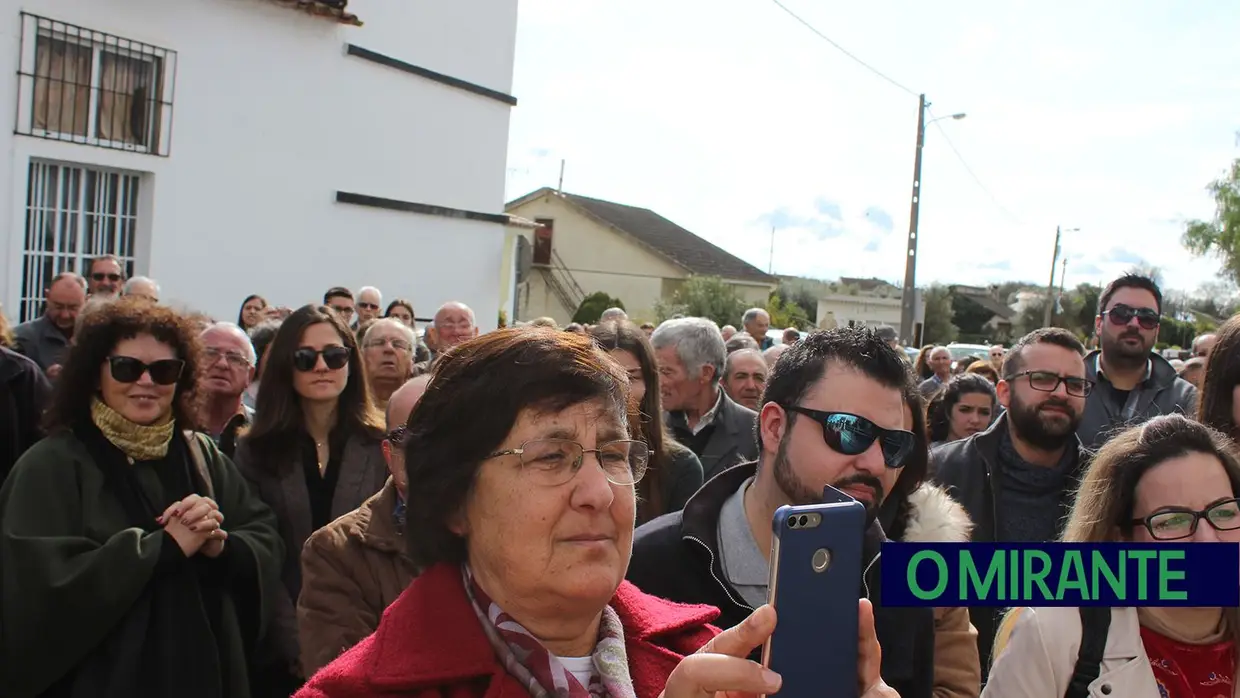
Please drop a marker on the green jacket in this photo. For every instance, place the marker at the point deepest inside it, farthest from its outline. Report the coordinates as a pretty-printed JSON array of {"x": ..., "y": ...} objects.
[{"x": 71, "y": 569}]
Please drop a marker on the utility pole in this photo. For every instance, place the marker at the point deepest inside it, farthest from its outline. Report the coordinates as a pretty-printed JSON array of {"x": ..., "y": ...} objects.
[
  {"x": 770, "y": 265},
  {"x": 1050, "y": 285},
  {"x": 908, "y": 309},
  {"x": 559, "y": 188}
]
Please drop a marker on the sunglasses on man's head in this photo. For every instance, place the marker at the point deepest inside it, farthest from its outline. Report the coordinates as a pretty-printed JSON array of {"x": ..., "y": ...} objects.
[
  {"x": 852, "y": 435},
  {"x": 126, "y": 369},
  {"x": 305, "y": 358},
  {"x": 1122, "y": 314}
]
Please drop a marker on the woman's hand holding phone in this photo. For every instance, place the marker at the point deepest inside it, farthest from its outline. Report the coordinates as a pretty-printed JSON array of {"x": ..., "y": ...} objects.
[{"x": 721, "y": 669}]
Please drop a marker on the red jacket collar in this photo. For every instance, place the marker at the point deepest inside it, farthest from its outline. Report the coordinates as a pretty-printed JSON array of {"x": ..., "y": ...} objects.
[{"x": 430, "y": 634}]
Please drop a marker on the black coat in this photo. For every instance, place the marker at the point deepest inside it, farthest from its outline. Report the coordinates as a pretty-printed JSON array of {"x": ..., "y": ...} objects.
[{"x": 24, "y": 396}]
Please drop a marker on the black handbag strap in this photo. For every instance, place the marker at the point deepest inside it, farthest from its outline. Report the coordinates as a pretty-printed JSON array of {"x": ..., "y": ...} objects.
[{"x": 1095, "y": 625}]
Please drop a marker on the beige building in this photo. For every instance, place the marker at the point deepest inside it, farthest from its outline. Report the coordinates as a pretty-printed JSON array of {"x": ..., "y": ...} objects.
[{"x": 582, "y": 245}]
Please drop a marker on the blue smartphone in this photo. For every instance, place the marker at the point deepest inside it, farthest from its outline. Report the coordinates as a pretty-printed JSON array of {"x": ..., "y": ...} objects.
[{"x": 815, "y": 585}]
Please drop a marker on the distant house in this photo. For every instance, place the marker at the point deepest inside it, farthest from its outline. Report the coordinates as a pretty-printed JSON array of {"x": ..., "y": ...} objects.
[
  {"x": 1001, "y": 314},
  {"x": 583, "y": 245}
]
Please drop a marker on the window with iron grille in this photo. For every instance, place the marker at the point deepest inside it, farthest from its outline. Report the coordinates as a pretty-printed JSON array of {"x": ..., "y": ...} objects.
[
  {"x": 74, "y": 214},
  {"x": 88, "y": 87}
]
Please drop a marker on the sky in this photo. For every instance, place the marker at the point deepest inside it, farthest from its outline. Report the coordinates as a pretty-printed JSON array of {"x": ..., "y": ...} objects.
[{"x": 731, "y": 118}]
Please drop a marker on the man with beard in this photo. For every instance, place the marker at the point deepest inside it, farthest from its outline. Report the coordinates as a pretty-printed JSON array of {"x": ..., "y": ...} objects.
[
  {"x": 832, "y": 413},
  {"x": 1134, "y": 383},
  {"x": 1016, "y": 479}
]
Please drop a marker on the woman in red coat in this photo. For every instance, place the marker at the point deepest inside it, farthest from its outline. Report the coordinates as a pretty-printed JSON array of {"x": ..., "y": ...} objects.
[{"x": 520, "y": 508}]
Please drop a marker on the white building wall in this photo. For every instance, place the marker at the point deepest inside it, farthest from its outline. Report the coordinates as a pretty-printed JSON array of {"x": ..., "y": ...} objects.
[{"x": 270, "y": 119}]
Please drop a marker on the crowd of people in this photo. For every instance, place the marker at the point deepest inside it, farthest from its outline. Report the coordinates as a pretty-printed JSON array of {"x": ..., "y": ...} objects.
[{"x": 324, "y": 502}]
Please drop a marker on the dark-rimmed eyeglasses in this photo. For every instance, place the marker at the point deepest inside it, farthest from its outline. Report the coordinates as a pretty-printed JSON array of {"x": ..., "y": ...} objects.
[
  {"x": 1121, "y": 315},
  {"x": 397, "y": 436},
  {"x": 1048, "y": 382},
  {"x": 126, "y": 369},
  {"x": 1174, "y": 523},
  {"x": 851, "y": 435},
  {"x": 554, "y": 462},
  {"x": 100, "y": 276},
  {"x": 305, "y": 359}
]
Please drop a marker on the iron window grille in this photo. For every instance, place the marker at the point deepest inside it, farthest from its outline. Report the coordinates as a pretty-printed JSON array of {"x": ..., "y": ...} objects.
[
  {"x": 92, "y": 88},
  {"x": 73, "y": 214}
]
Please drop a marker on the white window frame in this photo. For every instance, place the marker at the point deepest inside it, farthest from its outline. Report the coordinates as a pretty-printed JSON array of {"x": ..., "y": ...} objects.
[
  {"x": 72, "y": 217},
  {"x": 163, "y": 64}
]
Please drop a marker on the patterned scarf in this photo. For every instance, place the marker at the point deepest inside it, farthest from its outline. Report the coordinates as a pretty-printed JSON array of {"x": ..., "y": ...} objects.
[
  {"x": 540, "y": 673},
  {"x": 134, "y": 440}
]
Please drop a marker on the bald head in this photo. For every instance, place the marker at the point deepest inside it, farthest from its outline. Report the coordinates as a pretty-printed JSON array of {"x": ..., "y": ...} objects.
[
  {"x": 772, "y": 354},
  {"x": 142, "y": 287},
  {"x": 406, "y": 397},
  {"x": 454, "y": 323}
]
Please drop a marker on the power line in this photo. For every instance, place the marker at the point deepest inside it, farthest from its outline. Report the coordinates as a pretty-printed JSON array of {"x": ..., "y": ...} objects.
[
  {"x": 843, "y": 50},
  {"x": 973, "y": 175}
]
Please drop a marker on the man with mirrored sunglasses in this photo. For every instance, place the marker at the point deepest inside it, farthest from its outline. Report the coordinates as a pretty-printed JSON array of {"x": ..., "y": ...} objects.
[
  {"x": 832, "y": 413},
  {"x": 1134, "y": 383},
  {"x": 1017, "y": 478}
]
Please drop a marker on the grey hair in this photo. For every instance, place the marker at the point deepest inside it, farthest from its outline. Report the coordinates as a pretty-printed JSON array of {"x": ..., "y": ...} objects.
[
  {"x": 612, "y": 314},
  {"x": 752, "y": 314},
  {"x": 740, "y": 354},
  {"x": 393, "y": 322},
  {"x": 91, "y": 305},
  {"x": 698, "y": 343},
  {"x": 137, "y": 280},
  {"x": 364, "y": 289},
  {"x": 235, "y": 330},
  {"x": 473, "y": 320},
  {"x": 740, "y": 341}
]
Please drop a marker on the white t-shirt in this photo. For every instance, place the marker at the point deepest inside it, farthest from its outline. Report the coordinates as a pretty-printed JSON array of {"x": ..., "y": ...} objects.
[{"x": 581, "y": 667}]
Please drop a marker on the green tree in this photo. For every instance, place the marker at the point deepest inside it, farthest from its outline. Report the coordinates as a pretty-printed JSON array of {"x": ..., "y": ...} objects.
[
  {"x": 592, "y": 307},
  {"x": 704, "y": 296},
  {"x": 1220, "y": 237},
  {"x": 970, "y": 318},
  {"x": 800, "y": 296},
  {"x": 937, "y": 327},
  {"x": 786, "y": 313}
]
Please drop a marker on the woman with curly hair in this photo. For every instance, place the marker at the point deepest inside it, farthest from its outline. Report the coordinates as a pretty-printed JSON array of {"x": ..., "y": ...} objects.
[
  {"x": 961, "y": 409},
  {"x": 135, "y": 560}
]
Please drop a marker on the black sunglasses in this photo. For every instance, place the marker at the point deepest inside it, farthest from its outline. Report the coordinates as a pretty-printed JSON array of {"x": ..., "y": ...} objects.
[
  {"x": 852, "y": 435},
  {"x": 1121, "y": 315},
  {"x": 126, "y": 369},
  {"x": 305, "y": 358},
  {"x": 99, "y": 276}
]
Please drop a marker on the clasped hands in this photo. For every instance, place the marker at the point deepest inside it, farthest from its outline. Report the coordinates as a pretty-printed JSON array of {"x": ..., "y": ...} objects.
[
  {"x": 721, "y": 668},
  {"x": 195, "y": 524}
]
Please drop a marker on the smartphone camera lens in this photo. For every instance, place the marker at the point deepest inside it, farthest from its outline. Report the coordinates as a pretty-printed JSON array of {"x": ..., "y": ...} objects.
[{"x": 803, "y": 520}]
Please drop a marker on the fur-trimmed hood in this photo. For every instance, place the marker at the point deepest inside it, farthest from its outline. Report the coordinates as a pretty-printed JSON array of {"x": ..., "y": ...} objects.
[{"x": 934, "y": 517}]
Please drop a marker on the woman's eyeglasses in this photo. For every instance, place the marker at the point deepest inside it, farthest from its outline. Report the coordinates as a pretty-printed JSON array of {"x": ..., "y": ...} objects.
[
  {"x": 1122, "y": 314},
  {"x": 1178, "y": 522},
  {"x": 396, "y": 436},
  {"x": 305, "y": 358},
  {"x": 553, "y": 462},
  {"x": 126, "y": 369},
  {"x": 852, "y": 435},
  {"x": 1048, "y": 382}
]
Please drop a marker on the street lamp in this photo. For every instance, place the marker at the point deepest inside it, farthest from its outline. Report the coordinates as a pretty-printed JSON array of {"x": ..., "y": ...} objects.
[
  {"x": 907, "y": 310},
  {"x": 1048, "y": 314}
]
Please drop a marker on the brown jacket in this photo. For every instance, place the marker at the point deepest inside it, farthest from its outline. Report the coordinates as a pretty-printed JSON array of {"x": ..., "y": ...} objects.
[
  {"x": 936, "y": 518},
  {"x": 352, "y": 569}
]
